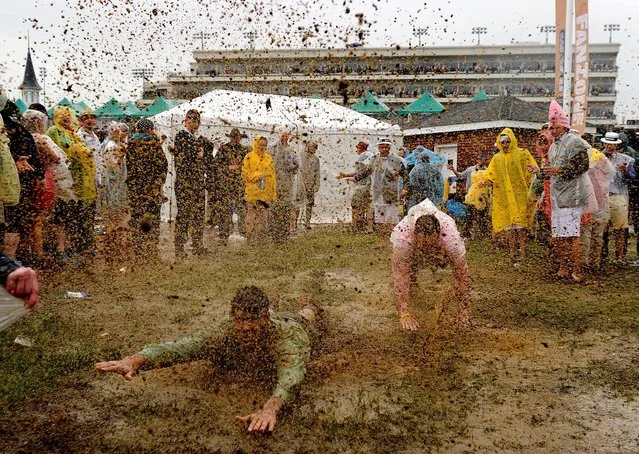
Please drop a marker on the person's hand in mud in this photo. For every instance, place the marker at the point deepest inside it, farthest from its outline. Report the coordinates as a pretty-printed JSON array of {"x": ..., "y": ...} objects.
[
  {"x": 408, "y": 321},
  {"x": 23, "y": 284},
  {"x": 263, "y": 420},
  {"x": 127, "y": 367}
]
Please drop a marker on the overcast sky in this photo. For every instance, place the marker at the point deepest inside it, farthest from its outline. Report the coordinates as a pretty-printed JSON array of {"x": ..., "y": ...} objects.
[{"x": 89, "y": 47}]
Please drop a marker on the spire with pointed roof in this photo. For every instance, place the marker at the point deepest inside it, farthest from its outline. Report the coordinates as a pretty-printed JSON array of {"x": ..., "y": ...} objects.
[{"x": 30, "y": 86}]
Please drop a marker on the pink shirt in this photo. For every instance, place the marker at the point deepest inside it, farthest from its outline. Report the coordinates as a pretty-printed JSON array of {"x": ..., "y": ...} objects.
[
  {"x": 403, "y": 236},
  {"x": 451, "y": 244}
]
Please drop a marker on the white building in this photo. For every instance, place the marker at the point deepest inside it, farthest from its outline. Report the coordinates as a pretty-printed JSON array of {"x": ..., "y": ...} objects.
[{"x": 29, "y": 86}]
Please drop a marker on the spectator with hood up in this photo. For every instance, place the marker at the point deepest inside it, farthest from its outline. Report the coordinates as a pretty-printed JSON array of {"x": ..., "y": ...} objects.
[{"x": 510, "y": 173}]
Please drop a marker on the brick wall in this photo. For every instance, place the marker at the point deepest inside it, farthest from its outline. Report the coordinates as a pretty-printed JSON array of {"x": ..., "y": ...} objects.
[{"x": 471, "y": 143}]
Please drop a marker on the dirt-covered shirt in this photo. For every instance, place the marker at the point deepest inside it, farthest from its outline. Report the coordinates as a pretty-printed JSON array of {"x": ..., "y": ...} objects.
[{"x": 292, "y": 351}]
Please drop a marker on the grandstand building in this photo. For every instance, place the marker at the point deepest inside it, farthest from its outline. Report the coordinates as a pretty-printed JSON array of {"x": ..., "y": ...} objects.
[{"x": 396, "y": 76}]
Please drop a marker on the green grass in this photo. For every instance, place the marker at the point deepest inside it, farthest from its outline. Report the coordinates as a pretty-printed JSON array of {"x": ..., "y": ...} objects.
[
  {"x": 59, "y": 349},
  {"x": 420, "y": 407}
]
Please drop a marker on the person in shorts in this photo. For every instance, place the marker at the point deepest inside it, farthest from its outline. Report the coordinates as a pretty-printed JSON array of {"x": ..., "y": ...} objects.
[{"x": 568, "y": 163}]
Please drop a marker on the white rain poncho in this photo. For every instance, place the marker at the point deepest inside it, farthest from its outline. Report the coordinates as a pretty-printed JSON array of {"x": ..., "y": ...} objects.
[{"x": 11, "y": 309}]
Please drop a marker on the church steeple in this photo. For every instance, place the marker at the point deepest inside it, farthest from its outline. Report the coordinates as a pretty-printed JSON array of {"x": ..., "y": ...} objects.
[{"x": 30, "y": 86}]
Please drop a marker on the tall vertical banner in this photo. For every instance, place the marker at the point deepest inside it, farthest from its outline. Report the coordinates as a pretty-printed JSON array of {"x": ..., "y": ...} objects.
[
  {"x": 582, "y": 63},
  {"x": 560, "y": 46}
]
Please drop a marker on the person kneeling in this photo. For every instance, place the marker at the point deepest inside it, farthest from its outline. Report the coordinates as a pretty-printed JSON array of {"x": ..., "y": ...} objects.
[
  {"x": 427, "y": 237},
  {"x": 254, "y": 337}
]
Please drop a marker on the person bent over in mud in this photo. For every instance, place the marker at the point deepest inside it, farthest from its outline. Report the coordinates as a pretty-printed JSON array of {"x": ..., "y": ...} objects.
[
  {"x": 426, "y": 237},
  {"x": 256, "y": 341}
]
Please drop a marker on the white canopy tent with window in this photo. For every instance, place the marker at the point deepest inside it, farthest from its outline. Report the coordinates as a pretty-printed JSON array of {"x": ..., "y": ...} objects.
[{"x": 336, "y": 129}]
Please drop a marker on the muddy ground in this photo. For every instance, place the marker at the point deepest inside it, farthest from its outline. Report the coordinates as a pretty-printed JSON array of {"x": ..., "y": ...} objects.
[{"x": 547, "y": 367}]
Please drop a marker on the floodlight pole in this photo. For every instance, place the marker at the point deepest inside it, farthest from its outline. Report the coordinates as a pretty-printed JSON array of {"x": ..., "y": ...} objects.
[
  {"x": 611, "y": 28},
  {"x": 202, "y": 36},
  {"x": 419, "y": 32},
  {"x": 43, "y": 76},
  {"x": 479, "y": 31},
  {"x": 547, "y": 29},
  {"x": 364, "y": 34},
  {"x": 142, "y": 73},
  {"x": 251, "y": 37}
]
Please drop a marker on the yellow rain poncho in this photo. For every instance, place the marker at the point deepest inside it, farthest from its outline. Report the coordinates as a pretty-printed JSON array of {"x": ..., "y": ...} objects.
[
  {"x": 478, "y": 196},
  {"x": 81, "y": 159},
  {"x": 258, "y": 173},
  {"x": 511, "y": 182}
]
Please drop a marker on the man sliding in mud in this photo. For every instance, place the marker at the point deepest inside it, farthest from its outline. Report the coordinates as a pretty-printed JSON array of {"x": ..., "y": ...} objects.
[
  {"x": 256, "y": 342},
  {"x": 426, "y": 237}
]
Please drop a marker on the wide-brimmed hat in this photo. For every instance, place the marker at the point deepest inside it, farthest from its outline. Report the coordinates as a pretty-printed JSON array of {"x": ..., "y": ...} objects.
[
  {"x": 236, "y": 133},
  {"x": 611, "y": 138},
  {"x": 384, "y": 141}
]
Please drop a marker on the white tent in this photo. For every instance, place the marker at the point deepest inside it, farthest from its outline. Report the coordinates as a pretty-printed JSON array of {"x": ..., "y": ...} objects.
[{"x": 336, "y": 129}]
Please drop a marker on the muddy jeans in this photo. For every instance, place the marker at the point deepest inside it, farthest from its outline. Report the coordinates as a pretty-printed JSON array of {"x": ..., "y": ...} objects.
[
  {"x": 280, "y": 220},
  {"x": 592, "y": 242},
  {"x": 190, "y": 216},
  {"x": 310, "y": 203},
  {"x": 222, "y": 215},
  {"x": 256, "y": 222}
]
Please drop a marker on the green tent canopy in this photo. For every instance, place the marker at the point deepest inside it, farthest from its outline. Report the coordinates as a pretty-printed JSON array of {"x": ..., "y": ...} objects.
[
  {"x": 80, "y": 106},
  {"x": 130, "y": 109},
  {"x": 158, "y": 106},
  {"x": 112, "y": 109},
  {"x": 63, "y": 102},
  {"x": 480, "y": 96},
  {"x": 370, "y": 104},
  {"x": 425, "y": 104},
  {"x": 21, "y": 105}
]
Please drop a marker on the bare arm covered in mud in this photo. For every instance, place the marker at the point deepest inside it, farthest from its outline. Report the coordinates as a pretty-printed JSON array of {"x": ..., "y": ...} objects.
[
  {"x": 402, "y": 257},
  {"x": 462, "y": 286}
]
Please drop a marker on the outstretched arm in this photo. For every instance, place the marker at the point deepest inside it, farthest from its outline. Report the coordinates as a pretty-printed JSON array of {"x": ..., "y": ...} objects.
[
  {"x": 127, "y": 367},
  {"x": 157, "y": 355}
]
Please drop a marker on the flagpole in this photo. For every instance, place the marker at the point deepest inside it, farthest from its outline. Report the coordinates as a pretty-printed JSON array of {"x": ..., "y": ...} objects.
[{"x": 568, "y": 55}]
